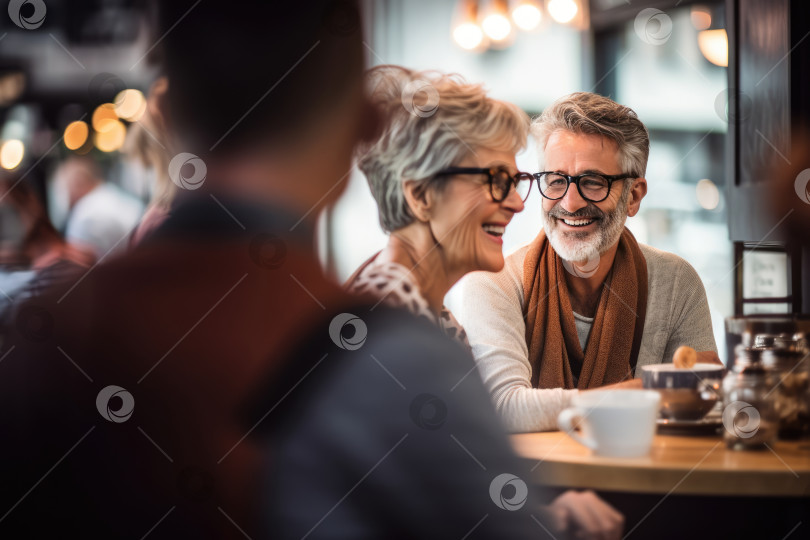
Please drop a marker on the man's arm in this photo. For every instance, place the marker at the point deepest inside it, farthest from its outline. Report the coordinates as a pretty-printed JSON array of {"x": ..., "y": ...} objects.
[
  {"x": 691, "y": 321},
  {"x": 490, "y": 309}
]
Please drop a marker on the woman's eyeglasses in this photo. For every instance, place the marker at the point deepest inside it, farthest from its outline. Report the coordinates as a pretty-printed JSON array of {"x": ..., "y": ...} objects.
[{"x": 499, "y": 180}]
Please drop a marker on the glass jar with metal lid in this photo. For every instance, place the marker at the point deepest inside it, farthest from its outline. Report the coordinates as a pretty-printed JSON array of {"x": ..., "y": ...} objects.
[
  {"x": 802, "y": 341},
  {"x": 791, "y": 368},
  {"x": 750, "y": 418},
  {"x": 773, "y": 341}
]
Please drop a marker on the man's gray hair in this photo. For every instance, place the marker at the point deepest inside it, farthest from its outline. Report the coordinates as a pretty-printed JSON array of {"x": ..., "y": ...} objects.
[
  {"x": 433, "y": 121},
  {"x": 592, "y": 114}
]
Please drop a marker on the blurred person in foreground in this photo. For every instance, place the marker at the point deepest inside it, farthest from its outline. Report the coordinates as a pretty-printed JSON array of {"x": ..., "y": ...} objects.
[
  {"x": 101, "y": 215},
  {"x": 584, "y": 304},
  {"x": 212, "y": 383},
  {"x": 33, "y": 255}
]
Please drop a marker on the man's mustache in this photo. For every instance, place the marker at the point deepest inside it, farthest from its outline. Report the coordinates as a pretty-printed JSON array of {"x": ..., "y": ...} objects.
[{"x": 590, "y": 211}]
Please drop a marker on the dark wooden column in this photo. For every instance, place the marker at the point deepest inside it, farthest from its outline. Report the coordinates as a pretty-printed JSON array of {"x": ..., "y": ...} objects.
[{"x": 769, "y": 99}]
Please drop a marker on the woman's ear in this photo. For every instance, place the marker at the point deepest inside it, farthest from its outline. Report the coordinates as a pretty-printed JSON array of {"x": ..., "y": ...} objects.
[
  {"x": 419, "y": 199},
  {"x": 157, "y": 103}
]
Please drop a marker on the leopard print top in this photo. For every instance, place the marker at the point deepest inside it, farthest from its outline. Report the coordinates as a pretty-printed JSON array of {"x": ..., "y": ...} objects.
[{"x": 393, "y": 284}]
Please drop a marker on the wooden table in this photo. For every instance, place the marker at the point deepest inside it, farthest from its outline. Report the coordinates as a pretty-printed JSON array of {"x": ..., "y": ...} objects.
[{"x": 677, "y": 465}]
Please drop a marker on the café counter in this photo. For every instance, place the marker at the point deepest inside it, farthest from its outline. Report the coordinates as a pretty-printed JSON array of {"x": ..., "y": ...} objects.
[{"x": 679, "y": 465}]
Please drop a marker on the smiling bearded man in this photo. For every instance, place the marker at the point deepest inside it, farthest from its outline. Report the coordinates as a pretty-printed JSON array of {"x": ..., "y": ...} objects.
[{"x": 584, "y": 304}]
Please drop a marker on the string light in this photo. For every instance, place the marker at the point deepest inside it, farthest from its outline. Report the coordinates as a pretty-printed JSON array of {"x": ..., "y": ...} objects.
[
  {"x": 496, "y": 23},
  {"x": 467, "y": 32},
  {"x": 563, "y": 11},
  {"x": 527, "y": 15}
]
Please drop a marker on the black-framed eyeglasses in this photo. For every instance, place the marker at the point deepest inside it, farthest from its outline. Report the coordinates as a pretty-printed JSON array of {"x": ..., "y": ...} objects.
[
  {"x": 591, "y": 186},
  {"x": 499, "y": 180}
]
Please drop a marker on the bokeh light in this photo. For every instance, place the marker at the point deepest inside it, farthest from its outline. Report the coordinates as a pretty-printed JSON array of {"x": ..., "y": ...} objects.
[
  {"x": 76, "y": 134},
  {"x": 714, "y": 46},
  {"x": 468, "y": 35},
  {"x": 11, "y": 153},
  {"x": 563, "y": 11},
  {"x": 708, "y": 195},
  {"x": 112, "y": 138},
  {"x": 527, "y": 16},
  {"x": 104, "y": 117},
  {"x": 497, "y": 26},
  {"x": 130, "y": 104},
  {"x": 701, "y": 17}
]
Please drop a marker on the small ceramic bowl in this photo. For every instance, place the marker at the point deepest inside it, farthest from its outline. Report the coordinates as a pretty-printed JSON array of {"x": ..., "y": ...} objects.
[{"x": 686, "y": 394}]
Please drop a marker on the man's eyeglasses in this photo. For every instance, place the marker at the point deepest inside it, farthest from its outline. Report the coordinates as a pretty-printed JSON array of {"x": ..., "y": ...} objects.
[
  {"x": 592, "y": 187},
  {"x": 499, "y": 180}
]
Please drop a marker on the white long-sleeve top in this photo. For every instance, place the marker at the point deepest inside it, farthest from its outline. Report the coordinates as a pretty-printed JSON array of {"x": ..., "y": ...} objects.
[{"x": 490, "y": 307}]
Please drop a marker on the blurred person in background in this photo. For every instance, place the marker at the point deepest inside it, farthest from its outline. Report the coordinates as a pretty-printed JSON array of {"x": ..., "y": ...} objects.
[
  {"x": 146, "y": 143},
  {"x": 215, "y": 387},
  {"x": 101, "y": 215},
  {"x": 584, "y": 304},
  {"x": 33, "y": 255}
]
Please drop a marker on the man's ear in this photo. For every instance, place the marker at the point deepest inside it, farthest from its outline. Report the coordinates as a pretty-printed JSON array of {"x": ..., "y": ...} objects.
[
  {"x": 419, "y": 199},
  {"x": 637, "y": 192}
]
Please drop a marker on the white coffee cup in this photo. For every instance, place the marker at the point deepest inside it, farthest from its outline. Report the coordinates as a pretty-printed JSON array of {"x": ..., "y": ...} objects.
[{"x": 613, "y": 423}]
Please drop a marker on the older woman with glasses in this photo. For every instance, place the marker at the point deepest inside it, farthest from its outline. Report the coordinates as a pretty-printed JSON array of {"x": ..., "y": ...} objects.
[
  {"x": 446, "y": 183},
  {"x": 444, "y": 176}
]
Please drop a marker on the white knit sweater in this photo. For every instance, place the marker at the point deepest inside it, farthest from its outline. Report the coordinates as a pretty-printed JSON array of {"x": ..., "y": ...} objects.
[{"x": 490, "y": 307}]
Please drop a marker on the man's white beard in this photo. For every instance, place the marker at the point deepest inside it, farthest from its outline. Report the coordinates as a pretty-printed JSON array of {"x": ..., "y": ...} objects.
[{"x": 583, "y": 246}]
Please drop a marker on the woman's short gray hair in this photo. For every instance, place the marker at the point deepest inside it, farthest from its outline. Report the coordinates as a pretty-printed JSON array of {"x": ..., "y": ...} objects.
[
  {"x": 589, "y": 113},
  {"x": 433, "y": 121}
]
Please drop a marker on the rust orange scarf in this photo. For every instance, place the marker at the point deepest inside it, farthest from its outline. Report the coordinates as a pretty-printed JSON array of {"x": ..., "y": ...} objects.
[{"x": 551, "y": 333}]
